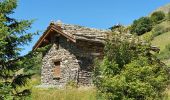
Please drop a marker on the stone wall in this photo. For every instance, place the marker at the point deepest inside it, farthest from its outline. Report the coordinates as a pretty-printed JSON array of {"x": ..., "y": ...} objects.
[{"x": 76, "y": 63}]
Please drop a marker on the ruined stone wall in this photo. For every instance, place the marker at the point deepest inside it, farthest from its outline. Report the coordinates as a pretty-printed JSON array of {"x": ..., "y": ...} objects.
[
  {"x": 76, "y": 63},
  {"x": 91, "y": 51}
]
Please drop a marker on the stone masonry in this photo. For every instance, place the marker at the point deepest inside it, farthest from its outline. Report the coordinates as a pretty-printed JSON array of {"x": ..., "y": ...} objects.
[{"x": 76, "y": 59}]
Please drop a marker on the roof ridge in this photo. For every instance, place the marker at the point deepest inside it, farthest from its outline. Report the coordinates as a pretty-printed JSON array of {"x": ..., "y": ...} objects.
[
  {"x": 83, "y": 26},
  {"x": 76, "y": 26}
]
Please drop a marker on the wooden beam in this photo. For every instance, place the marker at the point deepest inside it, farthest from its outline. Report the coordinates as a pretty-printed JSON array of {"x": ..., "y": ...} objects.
[
  {"x": 64, "y": 34},
  {"x": 51, "y": 29},
  {"x": 41, "y": 40}
]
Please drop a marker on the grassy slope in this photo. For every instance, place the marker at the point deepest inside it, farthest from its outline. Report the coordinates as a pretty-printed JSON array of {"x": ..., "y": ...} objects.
[{"x": 162, "y": 40}]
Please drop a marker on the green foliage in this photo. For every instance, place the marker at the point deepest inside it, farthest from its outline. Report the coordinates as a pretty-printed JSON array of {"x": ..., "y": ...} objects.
[
  {"x": 5, "y": 92},
  {"x": 13, "y": 35},
  {"x": 129, "y": 71},
  {"x": 35, "y": 62},
  {"x": 141, "y": 25},
  {"x": 64, "y": 94},
  {"x": 157, "y": 16}
]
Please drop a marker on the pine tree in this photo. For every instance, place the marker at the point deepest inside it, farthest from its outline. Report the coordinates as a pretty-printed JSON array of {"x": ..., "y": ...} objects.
[{"x": 13, "y": 36}]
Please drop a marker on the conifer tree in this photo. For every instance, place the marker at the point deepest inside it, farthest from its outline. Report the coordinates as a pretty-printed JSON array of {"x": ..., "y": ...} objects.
[{"x": 13, "y": 36}]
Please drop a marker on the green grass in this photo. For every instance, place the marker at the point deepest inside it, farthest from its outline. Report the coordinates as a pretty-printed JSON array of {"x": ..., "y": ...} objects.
[
  {"x": 168, "y": 92},
  {"x": 59, "y": 94},
  {"x": 162, "y": 40},
  {"x": 65, "y": 94}
]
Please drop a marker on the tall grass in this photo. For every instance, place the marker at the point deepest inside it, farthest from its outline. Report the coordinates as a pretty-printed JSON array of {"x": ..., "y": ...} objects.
[
  {"x": 59, "y": 94},
  {"x": 65, "y": 94}
]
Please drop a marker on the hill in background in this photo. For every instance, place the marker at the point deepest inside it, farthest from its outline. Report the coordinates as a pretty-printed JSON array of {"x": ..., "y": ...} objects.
[
  {"x": 160, "y": 35},
  {"x": 165, "y": 8}
]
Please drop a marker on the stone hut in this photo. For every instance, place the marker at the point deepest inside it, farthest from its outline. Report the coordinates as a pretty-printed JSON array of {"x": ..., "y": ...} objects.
[{"x": 70, "y": 58}]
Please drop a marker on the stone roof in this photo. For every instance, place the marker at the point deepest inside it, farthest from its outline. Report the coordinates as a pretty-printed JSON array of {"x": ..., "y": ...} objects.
[
  {"x": 84, "y": 33},
  {"x": 74, "y": 33}
]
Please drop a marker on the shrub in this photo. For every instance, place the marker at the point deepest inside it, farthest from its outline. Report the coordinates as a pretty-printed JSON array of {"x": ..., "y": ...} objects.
[
  {"x": 141, "y": 26},
  {"x": 129, "y": 71},
  {"x": 157, "y": 16}
]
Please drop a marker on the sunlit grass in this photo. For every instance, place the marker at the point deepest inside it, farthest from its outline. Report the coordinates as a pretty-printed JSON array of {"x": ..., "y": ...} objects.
[
  {"x": 162, "y": 40},
  {"x": 86, "y": 93},
  {"x": 68, "y": 93},
  {"x": 65, "y": 94}
]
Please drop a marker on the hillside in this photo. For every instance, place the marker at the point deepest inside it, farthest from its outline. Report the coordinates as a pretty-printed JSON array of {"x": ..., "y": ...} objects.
[
  {"x": 164, "y": 38},
  {"x": 160, "y": 35},
  {"x": 165, "y": 8}
]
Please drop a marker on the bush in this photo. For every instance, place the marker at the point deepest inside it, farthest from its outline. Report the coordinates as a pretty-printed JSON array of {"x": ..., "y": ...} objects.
[
  {"x": 157, "y": 16},
  {"x": 129, "y": 71},
  {"x": 141, "y": 26}
]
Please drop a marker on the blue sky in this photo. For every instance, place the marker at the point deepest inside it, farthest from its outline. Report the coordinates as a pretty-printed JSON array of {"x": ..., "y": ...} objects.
[{"x": 92, "y": 13}]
